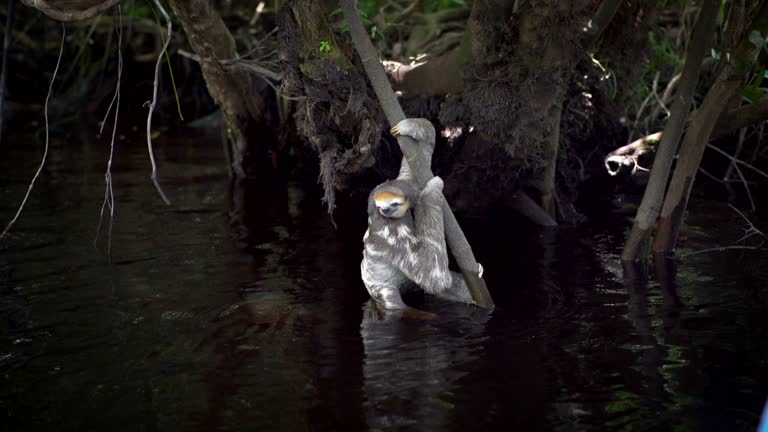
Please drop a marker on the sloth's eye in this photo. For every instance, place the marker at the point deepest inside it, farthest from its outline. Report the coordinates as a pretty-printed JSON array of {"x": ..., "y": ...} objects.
[{"x": 396, "y": 204}]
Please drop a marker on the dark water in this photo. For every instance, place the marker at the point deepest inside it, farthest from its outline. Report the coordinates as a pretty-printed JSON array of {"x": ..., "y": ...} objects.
[{"x": 240, "y": 308}]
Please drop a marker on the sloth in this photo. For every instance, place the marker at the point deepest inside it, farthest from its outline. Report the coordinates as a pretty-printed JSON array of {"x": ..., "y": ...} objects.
[{"x": 405, "y": 241}]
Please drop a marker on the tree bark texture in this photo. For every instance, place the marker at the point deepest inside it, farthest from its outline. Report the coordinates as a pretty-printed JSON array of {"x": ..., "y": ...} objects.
[
  {"x": 516, "y": 82},
  {"x": 700, "y": 131},
  {"x": 420, "y": 168},
  {"x": 662, "y": 164},
  {"x": 232, "y": 88}
]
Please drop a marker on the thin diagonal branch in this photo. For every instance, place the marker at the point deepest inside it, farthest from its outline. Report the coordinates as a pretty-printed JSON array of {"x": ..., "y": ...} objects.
[{"x": 412, "y": 153}]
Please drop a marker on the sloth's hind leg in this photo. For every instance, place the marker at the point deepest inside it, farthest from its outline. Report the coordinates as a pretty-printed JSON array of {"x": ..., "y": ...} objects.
[
  {"x": 458, "y": 290},
  {"x": 387, "y": 297}
]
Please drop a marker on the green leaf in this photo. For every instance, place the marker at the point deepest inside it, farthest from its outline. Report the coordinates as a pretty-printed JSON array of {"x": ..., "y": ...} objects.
[
  {"x": 759, "y": 77},
  {"x": 140, "y": 10},
  {"x": 336, "y": 12},
  {"x": 325, "y": 46},
  {"x": 753, "y": 93},
  {"x": 756, "y": 39}
]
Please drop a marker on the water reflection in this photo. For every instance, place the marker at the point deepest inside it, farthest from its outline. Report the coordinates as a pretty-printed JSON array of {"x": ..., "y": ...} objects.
[
  {"x": 241, "y": 308},
  {"x": 412, "y": 368}
]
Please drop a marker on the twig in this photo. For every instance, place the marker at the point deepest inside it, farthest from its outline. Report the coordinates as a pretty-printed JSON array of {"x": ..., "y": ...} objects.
[
  {"x": 737, "y": 153},
  {"x": 154, "y": 102},
  {"x": 711, "y": 176},
  {"x": 671, "y": 85},
  {"x": 45, "y": 152},
  {"x": 738, "y": 161},
  {"x": 237, "y": 61},
  {"x": 749, "y": 232},
  {"x": 656, "y": 95},
  {"x": 721, "y": 249},
  {"x": 109, "y": 197},
  {"x": 746, "y": 186},
  {"x": 752, "y": 229},
  {"x": 724, "y": 181},
  {"x": 252, "y": 66},
  {"x": 170, "y": 68}
]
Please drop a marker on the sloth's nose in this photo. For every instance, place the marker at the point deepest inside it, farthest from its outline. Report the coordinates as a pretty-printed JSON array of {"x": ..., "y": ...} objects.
[{"x": 388, "y": 211}]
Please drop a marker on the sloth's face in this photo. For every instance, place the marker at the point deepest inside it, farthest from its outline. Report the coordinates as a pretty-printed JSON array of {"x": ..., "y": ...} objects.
[{"x": 391, "y": 204}]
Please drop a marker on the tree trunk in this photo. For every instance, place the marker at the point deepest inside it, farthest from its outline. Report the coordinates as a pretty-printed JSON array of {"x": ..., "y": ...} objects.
[
  {"x": 551, "y": 147},
  {"x": 231, "y": 87},
  {"x": 700, "y": 131},
  {"x": 654, "y": 191}
]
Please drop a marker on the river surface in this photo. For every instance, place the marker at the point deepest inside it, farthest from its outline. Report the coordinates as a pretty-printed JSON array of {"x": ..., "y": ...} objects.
[{"x": 240, "y": 307}]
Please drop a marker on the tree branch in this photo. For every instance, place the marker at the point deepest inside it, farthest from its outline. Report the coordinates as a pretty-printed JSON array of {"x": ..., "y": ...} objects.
[
  {"x": 73, "y": 11},
  {"x": 413, "y": 154},
  {"x": 601, "y": 19},
  {"x": 741, "y": 117}
]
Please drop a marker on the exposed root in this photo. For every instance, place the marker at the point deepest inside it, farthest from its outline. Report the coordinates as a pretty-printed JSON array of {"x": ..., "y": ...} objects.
[
  {"x": 154, "y": 103},
  {"x": 45, "y": 152},
  {"x": 109, "y": 197}
]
